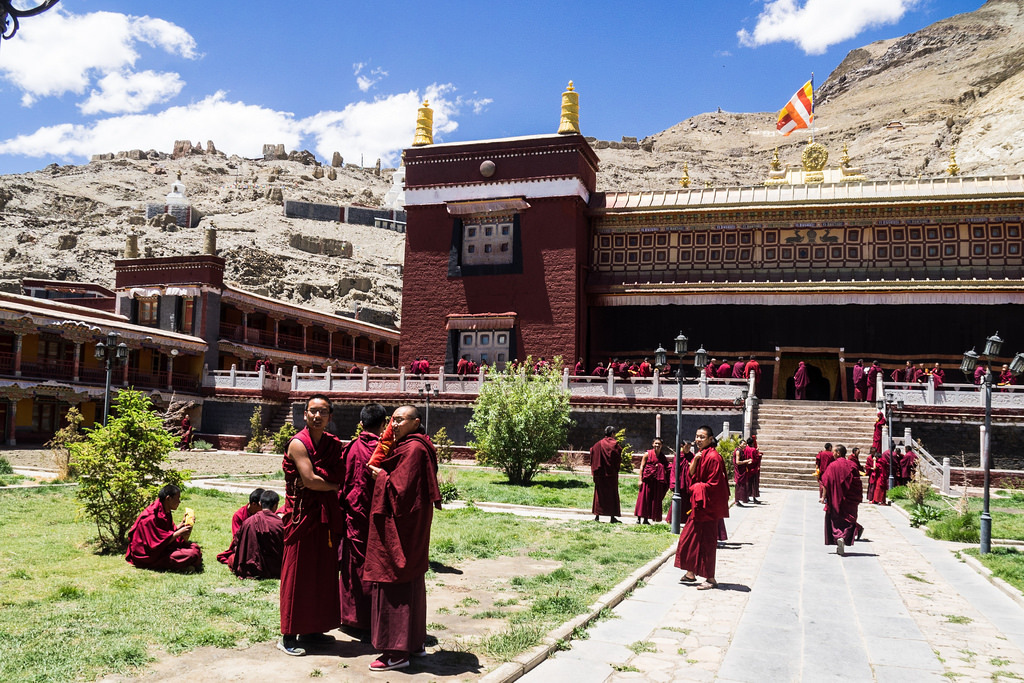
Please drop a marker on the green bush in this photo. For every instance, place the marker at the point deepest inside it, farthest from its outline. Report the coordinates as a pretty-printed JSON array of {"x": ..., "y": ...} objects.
[
  {"x": 449, "y": 490},
  {"x": 953, "y": 527},
  {"x": 626, "y": 464},
  {"x": 282, "y": 436},
  {"x": 5, "y": 466},
  {"x": 258, "y": 436},
  {"x": 443, "y": 445},
  {"x": 922, "y": 514},
  {"x": 897, "y": 493},
  {"x": 725, "y": 448},
  {"x": 201, "y": 445},
  {"x": 520, "y": 419},
  {"x": 119, "y": 467}
]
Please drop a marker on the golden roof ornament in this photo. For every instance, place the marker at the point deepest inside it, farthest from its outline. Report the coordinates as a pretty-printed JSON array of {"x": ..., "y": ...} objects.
[
  {"x": 570, "y": 123},
  {"x": 814, "y": 158},
  {"x": 424, "y": 126},
  {"x": 849, "y": 173},
  {"x": 953, "y": 168},
  {"x": 685, "y": 180},
  {"x": 776, "y": 174}
]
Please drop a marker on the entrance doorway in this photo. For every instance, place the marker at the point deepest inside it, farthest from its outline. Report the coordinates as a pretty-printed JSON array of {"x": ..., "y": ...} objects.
[{"x": 823, "y": 370}]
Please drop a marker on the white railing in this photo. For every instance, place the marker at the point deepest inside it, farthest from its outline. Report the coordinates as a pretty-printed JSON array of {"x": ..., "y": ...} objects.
[
  {"x": 246, "y": 379},
  {"x": 937, "y": 474},
  {"x": 952, "y": 395}
]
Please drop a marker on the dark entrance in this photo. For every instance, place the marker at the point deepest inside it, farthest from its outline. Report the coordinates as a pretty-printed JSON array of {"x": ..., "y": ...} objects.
[{"x": 822, "y": 370}]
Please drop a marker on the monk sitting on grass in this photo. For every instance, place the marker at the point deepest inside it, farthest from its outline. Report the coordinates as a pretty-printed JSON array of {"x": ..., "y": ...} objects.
[{"x": 156, "y": 543}]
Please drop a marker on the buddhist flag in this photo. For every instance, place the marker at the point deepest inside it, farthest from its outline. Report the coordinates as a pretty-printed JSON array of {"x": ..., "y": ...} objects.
[{"x": 799, "y": 111}]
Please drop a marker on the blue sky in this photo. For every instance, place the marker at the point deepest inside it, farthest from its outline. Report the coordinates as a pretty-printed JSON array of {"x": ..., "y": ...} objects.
[{"x": 96, "y": 76}]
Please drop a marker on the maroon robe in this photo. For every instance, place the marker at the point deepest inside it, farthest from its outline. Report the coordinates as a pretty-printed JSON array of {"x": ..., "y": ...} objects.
[
  {"x": 260, "y": 547},
  {"x": 405, "y": 495},
  {"x": 979, "y": 374},
  {"x": 152, "y": 544},
  {"x": 908, "y": 465},
  {"x": 751, "y": 453},
  {"x": 737, "y": 369},
  {"x": 869, "y": 467},
  {"x": 939, "y": 376},
  {"x": 741, "y": 474},
  {"x": 579, "y": 370},
  {"x": 653, "y": 486},
  {"x": 355, "y": 498},
  {"x": 605, "y": 460},
  {"x": 821, "y": 461},
  {"x": 600, "y": 371},
  {"x": 881, "y": 478},
  {"x": 876, "y": 440},
  {"x": 724, "y": 370},
  {"x": 800, "y": 381},
  {"x": 237, "y": 519},
  {"x": 709, "y": 496},
  {"x": 872, "y": 374},
  {"x": 843, "y": 491},
  {"x": 312, "y": 531},
  {"x": 860, "y": 382}
]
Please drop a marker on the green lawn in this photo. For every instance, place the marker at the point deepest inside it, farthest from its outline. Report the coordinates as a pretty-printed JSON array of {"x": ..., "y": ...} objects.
[
  {"x": 549, "y": 489},
  {"x": 11, "y": 479},
  {"x": 1006, "y": 508},
  {"x": 1006, "y": 563},
  {"x": 67, "y": 613}
]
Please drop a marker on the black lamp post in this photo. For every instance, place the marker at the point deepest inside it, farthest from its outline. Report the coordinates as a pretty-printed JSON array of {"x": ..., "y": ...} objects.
[
  {"x": 970, "y": 361},
  {"x": 10, "y": 15},
  {"x": 110, "y": 353},
  {"x": 888, "y": 420},
  {"x": 426, "y": 392},
  {"x": 660, "y": 360}
]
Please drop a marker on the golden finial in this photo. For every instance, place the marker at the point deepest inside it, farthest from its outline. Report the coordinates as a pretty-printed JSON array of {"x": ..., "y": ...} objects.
[
  {"x": 845, "y": 159},
  {"x": 775, "y": 165},
  {"x": 570, "y": 123},
  {"x": 953, "y": 168},
  {"x": 179, "y": 175},
  {"x": 685, "y": 180},
  {"x": 424, "y": 126}
]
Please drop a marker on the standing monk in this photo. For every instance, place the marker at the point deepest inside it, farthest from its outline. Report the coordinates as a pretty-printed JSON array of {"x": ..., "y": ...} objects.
[
  {"x": 155, "y": 543},
  {"x": 881, "y": 478},
  {"x": 187, "y": 433},
  {"x": 709, "y": 498},
  {"x": 752, "y": 453},
  {"x": 741, "y": 466},
  {"x": 605, "y": 461},
  {"x": 312, "y": 531},
  {"x": 800, "y": 381},
  {"x": 843, "y": 490},
  {"x": 653, "y": 484},
  {"x": 737, "y": 369},
  {"x": 873, "y": 372},
  {"x": 405, "y": 493},
  {"x": 241, "y": 514},
  {"x": 355, "y": 497},
  {"x": 752, "y": 368},
  {"x": 876, "y": 440},
  {"x": 822, "y": 460},
  {"x": 860, "y": 381}
]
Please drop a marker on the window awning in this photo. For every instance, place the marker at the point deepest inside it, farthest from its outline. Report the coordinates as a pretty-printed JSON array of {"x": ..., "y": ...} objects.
[
  {"x": 481, "y": 321},
  {"x": 486, "y": 206}
]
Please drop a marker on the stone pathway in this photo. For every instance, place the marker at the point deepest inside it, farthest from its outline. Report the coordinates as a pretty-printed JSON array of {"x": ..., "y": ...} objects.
[{"x": 898, "y": 607}]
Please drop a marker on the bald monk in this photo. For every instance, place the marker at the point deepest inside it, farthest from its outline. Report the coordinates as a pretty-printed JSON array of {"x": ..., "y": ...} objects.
[
  {"x": 313, "y": 523},
  {"x": 605, "y": 460},
  {"x": 654, "y": 477},
  {"x": 261, "y": 542},
  {"x": 405, "y": 494},
  {"x": 241, "y": 514},
  {"x": 709, "y": 498},
  {"x": 822, "y": 460},
  {"x": 843, "y": 490},
  {"x": 156, "y": 543},
  {"x": 355, "y": 497}
]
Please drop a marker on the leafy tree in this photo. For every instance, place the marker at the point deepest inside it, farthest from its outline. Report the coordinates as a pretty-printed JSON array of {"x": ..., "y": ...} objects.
[
  {"x": 520, "y": 419},
  {"x": 120, "y": 467},
  {"x": 725, "y": 447},
  {"x": 60, "y": 444},
  {"x": 282, "y": 436},
  {"x": 259, "y": 437},
  {"x": 444, "y": 445},
  {"x": 626, "y": 465}
]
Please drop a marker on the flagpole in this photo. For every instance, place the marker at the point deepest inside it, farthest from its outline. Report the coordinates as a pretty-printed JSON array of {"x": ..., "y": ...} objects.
[{"x": 812, "y": 106}]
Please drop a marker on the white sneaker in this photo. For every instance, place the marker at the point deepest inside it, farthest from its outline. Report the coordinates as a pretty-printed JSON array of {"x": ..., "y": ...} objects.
[{"x": 840, "y": 547}]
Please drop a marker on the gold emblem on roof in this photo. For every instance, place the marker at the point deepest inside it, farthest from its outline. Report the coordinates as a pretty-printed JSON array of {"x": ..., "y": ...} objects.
[
  {"x": 570, "y": 123},
  {"x": 424, "y": 126}
]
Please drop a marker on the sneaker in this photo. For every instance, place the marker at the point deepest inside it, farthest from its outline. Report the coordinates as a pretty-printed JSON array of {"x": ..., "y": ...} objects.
[
  {"x": 421, "y": 653},
  {"x": 387, "y": 662},
  {"x": 840, "y": 547},
  {"x": 287, "y": 645},
  {"x": 614, "y": 521}
]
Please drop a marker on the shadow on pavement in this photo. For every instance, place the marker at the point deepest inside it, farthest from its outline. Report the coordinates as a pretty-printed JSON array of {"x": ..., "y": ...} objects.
[
  {"x": 738, "y": 587},
  {"x": 443, "y": 568}
]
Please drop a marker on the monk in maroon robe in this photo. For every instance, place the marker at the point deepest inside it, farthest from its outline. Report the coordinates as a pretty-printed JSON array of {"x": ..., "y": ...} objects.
[
  {"x": 752, "y": 368},
  {"x": 605, "y": 461},
  {"x": 821, "y": 462},
  {"x": 876, "y": 439},
  {"x": 979, "y": 373},
  {"x": 737, "y": 369},
  {"x": 654, "y": 478},
  {"x": 881, "y": 478},
  {"x": 751, "y": 452},
  {"x": 579, "y": 369},
  {"x": 869, "y": 467},
  {"x": 872, "y": 374},
  {"x": 405, "y": 495},
  {"x": 154, "y": 542},
  {"x": 860, "y": 381},
  {"x": 908, "y": 465},
  {"x": 800, "y": 381},
  {"x": 709, "y": 498},
  {"x": 241, "y": 514},
  {"x": 843, "y": 491},
  {"x": 741, "y": 465},
  {"x": 355, "y": 498},
  {"x": 938, "y": 375},
  {"x": 1006, "y": 377},
  {"x": 261, "y": 542},
  {"x": 600, "y": 371},
  {"x": 313, "y": 527},
  {"x": 724, "y": 370}
]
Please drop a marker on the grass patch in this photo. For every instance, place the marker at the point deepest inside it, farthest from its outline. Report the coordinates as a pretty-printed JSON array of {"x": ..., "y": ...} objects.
[
  {"x": 548, "y": 489},
  {"x": 957, "y": 619},
  {"x": 505, "y": 645},
  {"x": 642, "y": 646},
  {"x": 1006, "y": 563},
  {"x": 1007, "y": 518},
  {"x": 625, "y": 668},
  {"x": 434, "y": 626},
  {"x": 676, "y": 629},
  {"x": 12, "y": 479},
  {"x": 998, "y": 661},
  {"x": 915, "y": 577}
]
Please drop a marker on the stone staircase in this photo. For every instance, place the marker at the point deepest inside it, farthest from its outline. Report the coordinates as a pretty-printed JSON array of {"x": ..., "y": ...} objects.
[
  {"x": 281, "y": 415},
  {"x": 790, "y": 434}
]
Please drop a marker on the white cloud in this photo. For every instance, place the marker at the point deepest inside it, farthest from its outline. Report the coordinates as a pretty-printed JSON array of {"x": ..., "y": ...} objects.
[
  {"x": 365, "y": 82},
  {"x": 130, "y": 93},
  {"x": 64, "y": 52},
  {"x": 815, "y": 25},
  {"x": 380, "y": 128}
]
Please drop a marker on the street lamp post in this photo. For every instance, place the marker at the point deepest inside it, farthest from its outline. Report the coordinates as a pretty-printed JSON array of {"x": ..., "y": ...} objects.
[
  {"x": 110, "y": 352},
  {"x": 10, "y": 15},
  {"x": 888, "y": 420},
  {"x": 426, "y": 392},
  {"x": 970, "y": 361}
]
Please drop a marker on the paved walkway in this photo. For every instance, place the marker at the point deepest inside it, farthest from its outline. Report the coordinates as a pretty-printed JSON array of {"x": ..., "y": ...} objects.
[{"x": 898, "y": 607}]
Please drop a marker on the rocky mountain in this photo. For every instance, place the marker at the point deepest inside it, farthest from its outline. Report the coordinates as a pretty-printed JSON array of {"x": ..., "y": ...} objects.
[{"x": 955, "y": 84}]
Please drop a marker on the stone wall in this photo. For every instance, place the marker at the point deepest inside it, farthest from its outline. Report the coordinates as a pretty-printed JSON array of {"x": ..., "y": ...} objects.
[
  {"x": 947, "y": 440},
  {"x": 320, "y": 245}
]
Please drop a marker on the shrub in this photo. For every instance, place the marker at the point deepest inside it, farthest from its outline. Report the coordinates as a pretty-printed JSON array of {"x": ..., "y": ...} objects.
[
  {"x": 119, "y": 467},
  {"x": 443, "y": 445},
  {"x": 919, "y": 488},
  {"x": 897, "y": 493},
  {"x": 626, "y": 465},
  {"x": 449, "y": 490},
  {"x": 258, "y": 439},
  {"x": 520, "y": 419},
  {"x": 282, "y": 436},
  {"x": 954, "y": 527},
  {"x": 61, "y": 442},
  {"x": 921, "y": 514},
  {"x": 5, "y": 466},
  {"x": 201, "y": 445},
  {"x": 725, "y": 448}
]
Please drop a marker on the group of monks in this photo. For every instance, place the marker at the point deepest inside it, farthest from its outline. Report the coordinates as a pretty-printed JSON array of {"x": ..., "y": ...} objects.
[{"x": 350, "y": 545}]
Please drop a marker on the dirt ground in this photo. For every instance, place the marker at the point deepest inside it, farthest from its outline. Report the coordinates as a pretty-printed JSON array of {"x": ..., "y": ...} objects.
[
  {"x": 202, "y": 463},
  {"x": 454, "y": 595}
]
